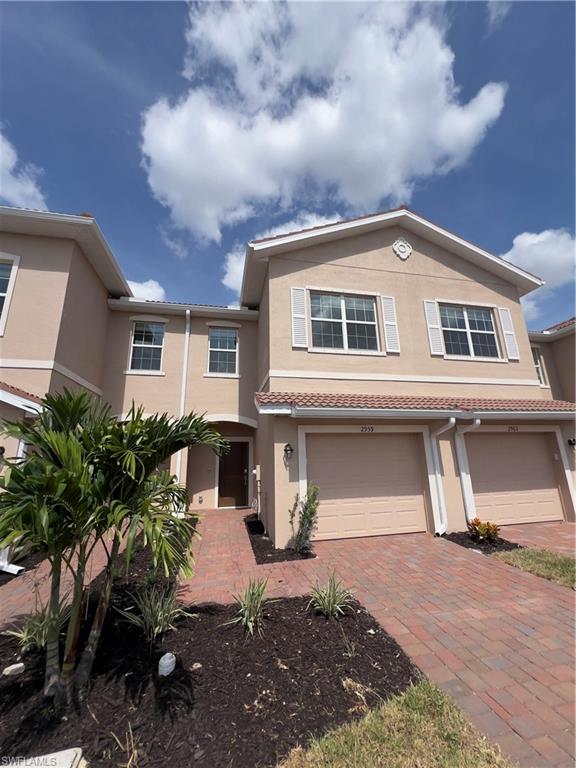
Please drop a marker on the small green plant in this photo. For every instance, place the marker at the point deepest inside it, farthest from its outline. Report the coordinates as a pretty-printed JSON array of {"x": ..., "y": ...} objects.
[
  {"x": 480, "y": 531},
  {"x": 33, "y": 633},
  {"x": 306, "y": 510},
  {"x": 156, "y": 611},
  {"x": 250, "y": 603},
  {"x": 332, "y": 600}
]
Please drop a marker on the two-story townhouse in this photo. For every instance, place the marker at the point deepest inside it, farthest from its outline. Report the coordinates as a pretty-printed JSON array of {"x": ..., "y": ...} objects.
[
  {"x": 383, "y": 358},
  {"x": 554, "y": 359}
]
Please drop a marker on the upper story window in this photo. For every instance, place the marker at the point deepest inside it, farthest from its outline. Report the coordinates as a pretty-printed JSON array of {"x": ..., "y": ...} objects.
[
  {"x": 147, "y": 343},
  {"x": 223, "y": 351},
  {"x": 539, "y": 365},
  {"x": 343, "y": 322},
  {"x": 468, "y": 331},
  {"x": 8, "y": 267}
]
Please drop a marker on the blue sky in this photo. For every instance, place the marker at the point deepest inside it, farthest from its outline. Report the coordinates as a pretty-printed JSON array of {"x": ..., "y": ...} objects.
[{"x": 188, "y": 130}]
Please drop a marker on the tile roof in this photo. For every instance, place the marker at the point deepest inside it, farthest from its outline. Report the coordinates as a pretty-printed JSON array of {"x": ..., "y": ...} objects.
[
  {"x": 410, "y": 402},
  {"x": 19, "y": 392},
  {"x": 562, "y": 324}
]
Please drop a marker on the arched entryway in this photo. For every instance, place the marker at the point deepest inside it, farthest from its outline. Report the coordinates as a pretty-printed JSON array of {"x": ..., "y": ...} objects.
[{"x": 227, "y": 481}]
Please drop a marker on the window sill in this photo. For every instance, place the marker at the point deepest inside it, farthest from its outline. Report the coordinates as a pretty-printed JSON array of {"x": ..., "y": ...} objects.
[
  {"x": 364, "y": 352},
  {"x": 221, "y": 375},
  {"x": 144, "y": 373},
  {"x": 471, "y": 359}
]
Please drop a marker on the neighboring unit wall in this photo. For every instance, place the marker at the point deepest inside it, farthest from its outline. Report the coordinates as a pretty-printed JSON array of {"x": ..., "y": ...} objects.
[
  {"x": 563, "y": 352},
  {"x": 229, "y": 398},
  {"x": 366, "y": 263},
  {"x": 28, "y": 346},
  {"x": 82, "y": 339}
]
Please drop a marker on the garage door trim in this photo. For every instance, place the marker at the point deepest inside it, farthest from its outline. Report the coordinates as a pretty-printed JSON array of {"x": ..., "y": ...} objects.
[
  {"x": 372, "y": 429},
  {"x": 464, "y": 465}
]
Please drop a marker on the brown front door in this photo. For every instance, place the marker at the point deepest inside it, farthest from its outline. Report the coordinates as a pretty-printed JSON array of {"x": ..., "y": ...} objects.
[{"x": 233, "y": 477}]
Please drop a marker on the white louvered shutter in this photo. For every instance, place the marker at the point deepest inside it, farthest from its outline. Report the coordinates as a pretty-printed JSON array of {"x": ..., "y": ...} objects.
[
  {"x": 435, "y": 336},
  {"x": 391, "y": 334},
  {"x": 509, "y": 336},
  {"x": 299, "y": 320}
]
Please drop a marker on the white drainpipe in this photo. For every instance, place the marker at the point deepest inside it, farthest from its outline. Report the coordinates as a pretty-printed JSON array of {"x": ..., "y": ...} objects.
[
  {"x": 438, "y": 473},
  {"x": 464, "y": 469},
  {"x": 183, "y": 388}
]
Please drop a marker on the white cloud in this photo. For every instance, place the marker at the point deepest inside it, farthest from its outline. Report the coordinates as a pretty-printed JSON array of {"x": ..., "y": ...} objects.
[
  {"x": 173, "y": 243},
  {"x": 234, "y": 259},
  {"x": 351, "y": 106},
  {"x": 497, "y": 12},
  {"x": 149, "y": 290},
  {"x": 550, "y": 255},
  {"x": 19, "y": 182}
]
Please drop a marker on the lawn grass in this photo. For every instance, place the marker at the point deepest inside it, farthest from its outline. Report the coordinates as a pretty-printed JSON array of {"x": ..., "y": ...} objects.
[
  {"x": 543, "y": 563},
  {"x": 421, "y": 728}
]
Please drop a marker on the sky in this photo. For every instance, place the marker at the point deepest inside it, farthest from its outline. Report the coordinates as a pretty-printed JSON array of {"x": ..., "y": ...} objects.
[{"x": 189, "y": 129}]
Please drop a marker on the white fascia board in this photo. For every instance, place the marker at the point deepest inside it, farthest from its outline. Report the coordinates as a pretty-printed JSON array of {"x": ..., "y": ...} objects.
[
  {"x": 20, "y": 402},
  {"x": 374, "y": 413},
  {"x": 531, "y": 415},
  {"x": 130, "y": 304},
  {"x": 371, "y": 222},
  {"x": 551, "y": 335}
]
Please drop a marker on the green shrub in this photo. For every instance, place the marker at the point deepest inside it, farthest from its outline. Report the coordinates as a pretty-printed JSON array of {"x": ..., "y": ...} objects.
[
  {"x": 332, "y": 600},
  {"x": 156, "y": 611},
  {"x": 250, "y": 602},
  {"x": 480, "y": 531},
  {"x": 33, "y": 633},
  {"x": 306, "y": 510}
]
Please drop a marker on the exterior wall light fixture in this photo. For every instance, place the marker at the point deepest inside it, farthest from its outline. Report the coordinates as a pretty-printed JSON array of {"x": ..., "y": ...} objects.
[{"x": 288, "y": 451}]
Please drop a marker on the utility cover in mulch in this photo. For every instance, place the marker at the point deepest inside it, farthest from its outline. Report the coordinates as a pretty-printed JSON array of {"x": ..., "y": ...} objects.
[
  {"x": 463, "y": 539},
  {"x": 263, "y": 547},
  {"x": 232, "y": 701}
]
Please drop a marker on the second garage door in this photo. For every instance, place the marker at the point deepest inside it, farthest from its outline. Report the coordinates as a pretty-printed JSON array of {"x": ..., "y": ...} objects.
[
  {"x": 370, "y": 485},
  {"x": 514, "y": 477}
]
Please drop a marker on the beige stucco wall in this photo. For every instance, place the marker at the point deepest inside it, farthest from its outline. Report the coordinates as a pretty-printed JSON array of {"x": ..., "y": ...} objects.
[
  {"x": 81, "y": 342},
  {"x": 564, "y": 353},
  {"x": 367, "y": 263},
  {"x": 204, "y": 394},
  {"x": 39, "y": 291}
]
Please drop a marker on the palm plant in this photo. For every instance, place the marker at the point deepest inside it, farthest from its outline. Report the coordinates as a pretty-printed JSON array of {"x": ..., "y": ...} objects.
[{"x": 88, "y": 475}]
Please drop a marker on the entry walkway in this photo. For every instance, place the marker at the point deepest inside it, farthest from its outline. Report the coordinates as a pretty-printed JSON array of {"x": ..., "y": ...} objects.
[{"x": 500, "y": 641}]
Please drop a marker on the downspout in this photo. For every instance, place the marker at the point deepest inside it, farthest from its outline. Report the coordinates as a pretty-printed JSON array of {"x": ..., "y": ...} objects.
[
  {"x": 438, "y": 473},
  {"x": 464, "y": 469},
  {"x": 183, "y": 388}
]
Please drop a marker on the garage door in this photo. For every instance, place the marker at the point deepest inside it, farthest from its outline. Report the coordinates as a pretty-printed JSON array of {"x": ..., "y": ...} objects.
[
  {"x": 514, "y": 477},
  {"x": 369, "y": 484}
]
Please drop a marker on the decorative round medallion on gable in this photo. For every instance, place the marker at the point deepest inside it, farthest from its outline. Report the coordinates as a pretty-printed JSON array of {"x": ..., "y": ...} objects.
[{"x": 402, "y": 248}]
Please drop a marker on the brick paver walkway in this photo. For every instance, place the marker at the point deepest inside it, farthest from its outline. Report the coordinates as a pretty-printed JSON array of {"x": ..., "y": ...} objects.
[
  {"x": 497, "y": 639},
  {"x": 557, "y": 537}
]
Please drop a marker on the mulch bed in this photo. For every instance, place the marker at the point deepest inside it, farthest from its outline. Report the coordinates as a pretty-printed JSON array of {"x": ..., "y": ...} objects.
[
  {"x": 28, "y": 562},
  {"x": 462, "y": 538},
  {"x": 232, "y": 701},
  {"x": 263, "y": 548}
]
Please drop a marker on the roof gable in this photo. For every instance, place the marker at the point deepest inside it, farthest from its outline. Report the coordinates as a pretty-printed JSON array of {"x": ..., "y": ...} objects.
[{"x": 259, "y": 251}]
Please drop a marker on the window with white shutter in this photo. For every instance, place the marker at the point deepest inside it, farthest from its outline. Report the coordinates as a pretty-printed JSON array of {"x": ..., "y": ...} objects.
[
  {"x": 391, "y": 335},
  {"x": 299, "y": 319},
  {"x": 509, "y": 335},
  {"x": 434, "y": 327}
]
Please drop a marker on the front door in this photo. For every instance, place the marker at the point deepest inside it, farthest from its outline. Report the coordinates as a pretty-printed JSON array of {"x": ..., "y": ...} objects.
[{"x": 233, "y": 476}]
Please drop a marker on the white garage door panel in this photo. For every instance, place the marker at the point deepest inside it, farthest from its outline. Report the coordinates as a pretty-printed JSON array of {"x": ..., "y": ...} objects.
[
  {"x": 370, "y": 485},
  {"x": 513, "y": 477}
]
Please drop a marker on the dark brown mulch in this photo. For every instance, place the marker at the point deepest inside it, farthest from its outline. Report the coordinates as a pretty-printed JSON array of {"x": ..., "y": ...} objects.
[
  {"x": 248, "y": 703},
  {"x": 462, "y": 538},
  {"x": 263, "y": 548},
  {"x": 29, "y": 562}
]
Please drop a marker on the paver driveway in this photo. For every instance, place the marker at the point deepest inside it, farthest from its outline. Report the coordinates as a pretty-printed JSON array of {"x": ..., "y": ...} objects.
[{"x": 499, "y": 640}]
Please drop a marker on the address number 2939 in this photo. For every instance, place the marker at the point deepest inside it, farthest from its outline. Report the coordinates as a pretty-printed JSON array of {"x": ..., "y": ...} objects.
[{"x": 366, "y": 428}]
